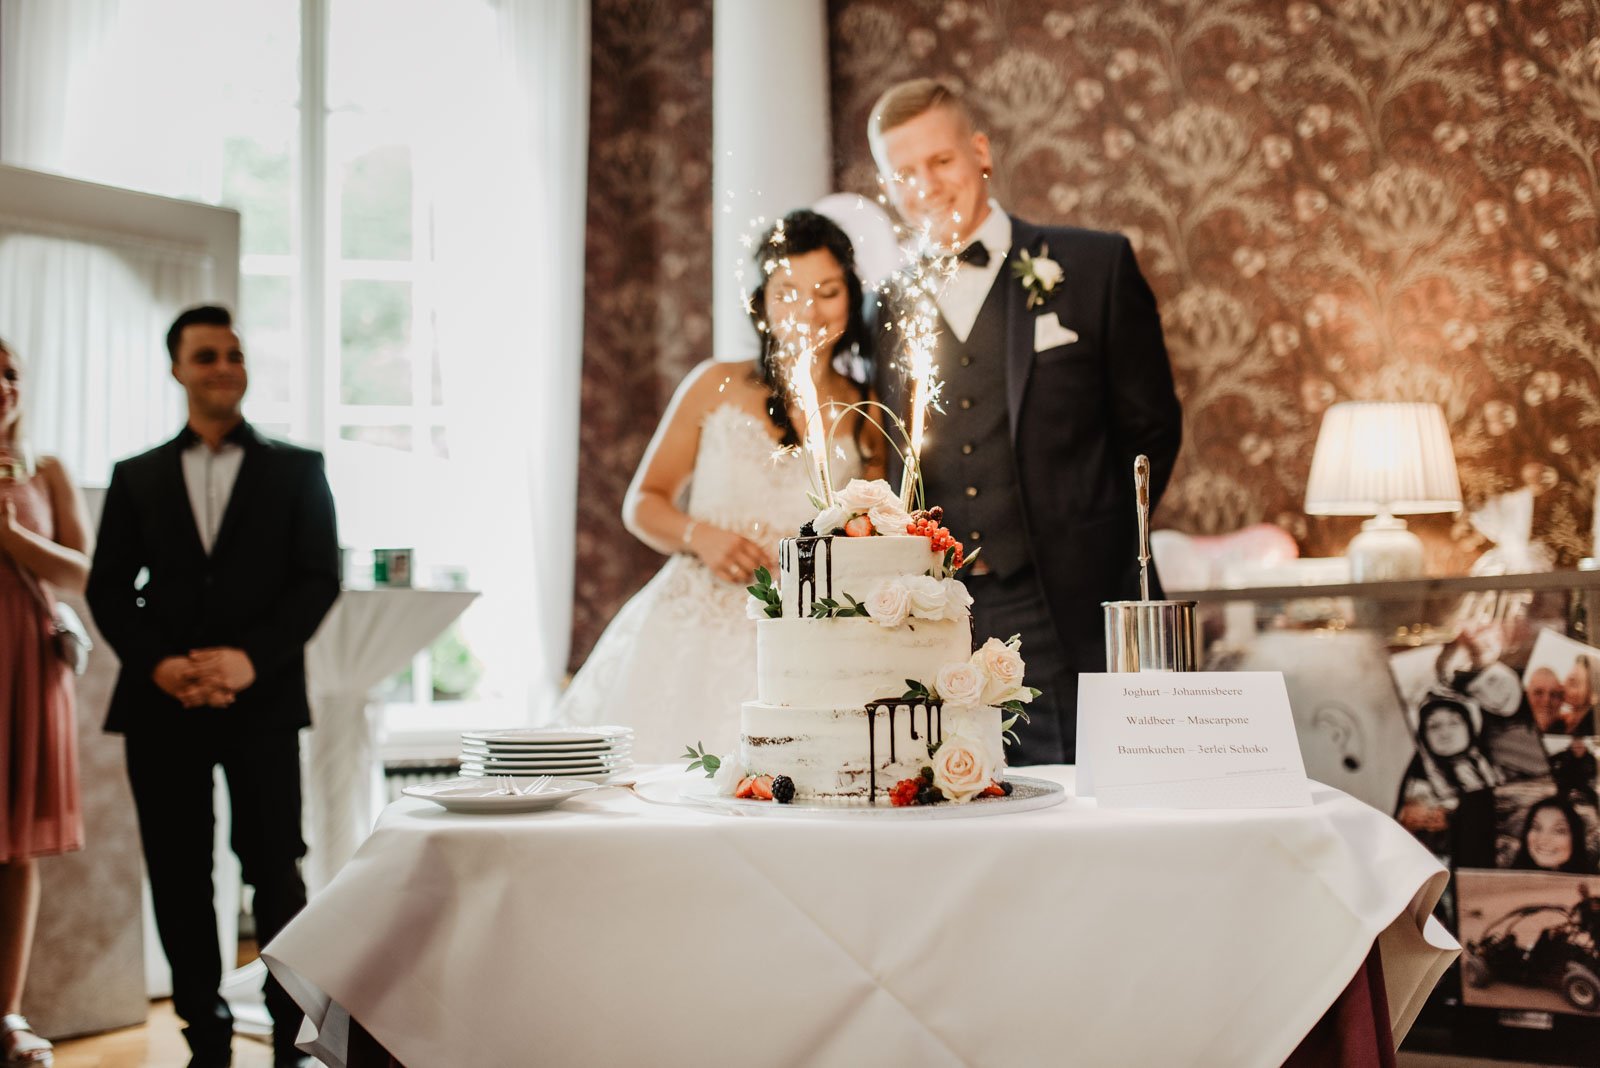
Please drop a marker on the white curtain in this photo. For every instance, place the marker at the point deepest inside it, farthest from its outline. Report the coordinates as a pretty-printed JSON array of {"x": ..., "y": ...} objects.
[
  {"x": 509, "y": 247},
  {"x": 53, "y": 63},
  {"x": 87, "y": 314}
]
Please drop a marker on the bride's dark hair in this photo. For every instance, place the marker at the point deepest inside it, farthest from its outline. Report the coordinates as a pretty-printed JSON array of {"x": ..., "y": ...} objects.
[{"x": 803, "y": 231}]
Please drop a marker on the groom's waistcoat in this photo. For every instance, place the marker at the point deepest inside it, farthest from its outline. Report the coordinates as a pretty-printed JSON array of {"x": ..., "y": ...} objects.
[{"x": 968, "y": 466}]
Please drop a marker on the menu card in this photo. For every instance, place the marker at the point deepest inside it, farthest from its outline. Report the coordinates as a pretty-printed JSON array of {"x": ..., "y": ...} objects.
[{"x": 1191, "y": 739}]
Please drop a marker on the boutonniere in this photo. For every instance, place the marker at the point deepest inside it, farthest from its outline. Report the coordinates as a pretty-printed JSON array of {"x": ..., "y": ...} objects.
[{"x": 1039, "y": 274}]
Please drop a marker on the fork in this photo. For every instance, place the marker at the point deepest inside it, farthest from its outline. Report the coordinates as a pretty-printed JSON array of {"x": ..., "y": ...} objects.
[
  {"x": 537, "y": 786},
  {"x": 505, "y": 787}
]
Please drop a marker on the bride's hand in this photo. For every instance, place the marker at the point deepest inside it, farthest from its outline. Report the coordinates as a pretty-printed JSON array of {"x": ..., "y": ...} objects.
[{"x": 730, "y": 557}]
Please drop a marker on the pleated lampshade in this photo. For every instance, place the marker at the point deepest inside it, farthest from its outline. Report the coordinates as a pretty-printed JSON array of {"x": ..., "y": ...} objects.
[{"x": 1377, "y": 458}]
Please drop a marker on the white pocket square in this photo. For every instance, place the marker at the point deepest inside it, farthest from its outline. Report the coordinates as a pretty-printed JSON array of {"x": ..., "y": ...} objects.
[{"x": 1048, "y": 333}]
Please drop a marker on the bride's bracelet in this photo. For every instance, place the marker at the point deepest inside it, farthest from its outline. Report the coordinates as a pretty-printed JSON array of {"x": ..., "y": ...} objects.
[{"x": 688, "y": 531}]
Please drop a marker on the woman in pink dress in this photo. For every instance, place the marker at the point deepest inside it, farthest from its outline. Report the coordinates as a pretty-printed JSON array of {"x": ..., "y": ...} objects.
[{"x": 44, "y": 544}]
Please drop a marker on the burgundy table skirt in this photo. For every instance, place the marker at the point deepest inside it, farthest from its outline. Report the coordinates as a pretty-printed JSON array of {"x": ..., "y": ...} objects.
[{"x": 1353, "y": 1033}]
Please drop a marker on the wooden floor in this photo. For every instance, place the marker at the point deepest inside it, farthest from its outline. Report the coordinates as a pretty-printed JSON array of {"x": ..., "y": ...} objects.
[{"x": 158, "y": 1044}]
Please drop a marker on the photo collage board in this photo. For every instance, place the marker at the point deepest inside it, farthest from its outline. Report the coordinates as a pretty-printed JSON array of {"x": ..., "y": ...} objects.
[{"x": 1502, "y": 786}]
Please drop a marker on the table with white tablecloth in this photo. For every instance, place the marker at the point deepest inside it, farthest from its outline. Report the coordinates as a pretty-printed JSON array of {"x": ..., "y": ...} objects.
[
  {"x": 367, "y": 636},
  {"x": 617, "y": 931}
]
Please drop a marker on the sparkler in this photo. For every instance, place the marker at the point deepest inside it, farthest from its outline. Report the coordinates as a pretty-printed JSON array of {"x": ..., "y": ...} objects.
[
  {"x": 803, "y": 346},
  {"x": 918, "y": 326},
  {"x": 805, "y": 389}
]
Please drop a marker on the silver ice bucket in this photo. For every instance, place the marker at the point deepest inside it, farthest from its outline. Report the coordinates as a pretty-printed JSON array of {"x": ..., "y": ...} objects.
[{"x": 1152, "y": 636}]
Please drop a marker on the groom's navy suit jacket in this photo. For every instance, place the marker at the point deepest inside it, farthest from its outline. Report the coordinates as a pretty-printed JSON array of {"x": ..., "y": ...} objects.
[
  {"x": 1078, "y": 414},
  {"x": 271, "y": 575}
]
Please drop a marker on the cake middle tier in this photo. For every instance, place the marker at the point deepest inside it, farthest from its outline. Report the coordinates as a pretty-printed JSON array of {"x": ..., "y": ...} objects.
[{"x": 847, "y": 662}]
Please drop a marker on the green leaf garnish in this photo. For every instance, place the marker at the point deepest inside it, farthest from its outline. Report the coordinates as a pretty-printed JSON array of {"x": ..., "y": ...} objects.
[{"x": 710, "y": 762}]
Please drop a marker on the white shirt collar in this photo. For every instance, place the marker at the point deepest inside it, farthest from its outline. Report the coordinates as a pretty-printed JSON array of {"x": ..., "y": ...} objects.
[{"x": 994, "y": 231}]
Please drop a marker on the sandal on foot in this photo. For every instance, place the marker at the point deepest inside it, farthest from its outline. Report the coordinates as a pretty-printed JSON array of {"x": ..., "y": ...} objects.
[{"x": 23, "y": 1048}]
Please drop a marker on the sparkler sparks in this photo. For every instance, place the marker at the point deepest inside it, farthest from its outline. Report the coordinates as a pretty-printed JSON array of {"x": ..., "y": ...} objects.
[{"x": 918, "y": 326}]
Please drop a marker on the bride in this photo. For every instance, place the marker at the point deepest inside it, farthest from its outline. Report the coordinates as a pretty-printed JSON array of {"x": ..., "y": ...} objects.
[{"x": 721, "y": 482}]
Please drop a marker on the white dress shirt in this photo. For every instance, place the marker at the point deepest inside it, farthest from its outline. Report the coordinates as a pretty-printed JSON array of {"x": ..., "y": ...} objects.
[
  {"x": 209, "y": 475},
  {"x": 963, "y": 295}
]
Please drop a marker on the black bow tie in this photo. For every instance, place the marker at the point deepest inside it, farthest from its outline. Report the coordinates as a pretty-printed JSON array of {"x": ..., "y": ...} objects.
[{"x": 976, "y": 254}]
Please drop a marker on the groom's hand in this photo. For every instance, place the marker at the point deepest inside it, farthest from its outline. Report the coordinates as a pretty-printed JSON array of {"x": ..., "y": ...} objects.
[
  {"x": 729, "y": 556},
  {"x": 223, "y": 668}
]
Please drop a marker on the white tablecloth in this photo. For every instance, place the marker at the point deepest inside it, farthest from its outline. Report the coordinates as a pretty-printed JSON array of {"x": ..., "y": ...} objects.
[
  {"x": 367, "y": 636},
  {"x": 612, "y": 931}
]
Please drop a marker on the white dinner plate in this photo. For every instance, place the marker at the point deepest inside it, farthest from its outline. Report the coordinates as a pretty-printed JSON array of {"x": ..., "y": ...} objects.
[
  {"x": 566, "y": 762},
  {"x": 1026, "y": 794},
  {"x": 477, "y": 795},
  {"x": 553, "y": 735},
  {"x": 503, "y": 747},
  {"x": 598, "y": 776}
]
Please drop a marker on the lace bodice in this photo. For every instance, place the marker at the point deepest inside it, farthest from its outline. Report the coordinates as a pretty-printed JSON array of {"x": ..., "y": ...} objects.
[{"x": 745, "y": 482}]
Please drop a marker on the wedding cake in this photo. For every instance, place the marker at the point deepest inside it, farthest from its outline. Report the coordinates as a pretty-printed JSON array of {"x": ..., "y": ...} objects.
[{"x": 868, "y": 688}]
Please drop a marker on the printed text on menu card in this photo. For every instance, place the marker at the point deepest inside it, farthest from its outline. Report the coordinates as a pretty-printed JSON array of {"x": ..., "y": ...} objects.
[{"x": 1193, "y": 739}]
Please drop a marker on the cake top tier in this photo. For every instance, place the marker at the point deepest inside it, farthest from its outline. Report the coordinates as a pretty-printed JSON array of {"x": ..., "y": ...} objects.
[
  {"x": 866, "y": 556},
  {"x": 888, "y": 578}
]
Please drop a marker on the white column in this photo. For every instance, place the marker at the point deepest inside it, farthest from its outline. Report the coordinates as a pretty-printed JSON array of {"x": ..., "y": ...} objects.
[{"x": 770, "y": 132}]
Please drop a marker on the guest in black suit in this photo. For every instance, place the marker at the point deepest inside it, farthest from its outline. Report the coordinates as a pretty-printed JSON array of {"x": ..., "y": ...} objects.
[
  {"x": 1053, "y": 383},
  {"x": 217, "y": 559}
]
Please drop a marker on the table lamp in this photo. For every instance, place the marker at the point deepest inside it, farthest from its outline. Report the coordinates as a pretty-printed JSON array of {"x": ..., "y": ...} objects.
[{"x": 1383, "y": 459}]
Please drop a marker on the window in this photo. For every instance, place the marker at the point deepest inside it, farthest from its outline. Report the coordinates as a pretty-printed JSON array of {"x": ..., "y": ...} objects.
[{"x": 337, "y": 129}]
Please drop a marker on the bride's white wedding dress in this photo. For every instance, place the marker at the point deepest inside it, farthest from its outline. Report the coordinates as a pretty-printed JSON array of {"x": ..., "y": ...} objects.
[{"x": 680, "y": 657}]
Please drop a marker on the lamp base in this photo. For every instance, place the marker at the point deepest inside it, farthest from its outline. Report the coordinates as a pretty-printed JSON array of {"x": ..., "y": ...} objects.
[{"x": 1384, "y": 550}]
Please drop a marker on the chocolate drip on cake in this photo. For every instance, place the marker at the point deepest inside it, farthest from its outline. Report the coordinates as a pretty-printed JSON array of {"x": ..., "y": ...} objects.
[
  {"x": 806, "y": 570},
  {"x": 932, "y": 727}
]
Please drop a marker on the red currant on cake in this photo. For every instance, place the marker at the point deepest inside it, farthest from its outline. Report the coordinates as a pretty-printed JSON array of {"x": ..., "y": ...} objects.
[{"x": 904, "y": 792}]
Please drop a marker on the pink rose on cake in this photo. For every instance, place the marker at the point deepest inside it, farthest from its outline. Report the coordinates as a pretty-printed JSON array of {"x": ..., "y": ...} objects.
[
  {"x": 1001, "y": 664},
  {"x": 960, "y": 684},
  {"x": 889, "y": 602},
  {"x": 963, "y": 767},
  {"x": 889, "y": 519}
]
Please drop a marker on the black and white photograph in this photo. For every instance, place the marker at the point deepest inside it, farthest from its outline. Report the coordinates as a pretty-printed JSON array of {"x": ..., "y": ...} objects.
[{"x": 1530, "y": 941}]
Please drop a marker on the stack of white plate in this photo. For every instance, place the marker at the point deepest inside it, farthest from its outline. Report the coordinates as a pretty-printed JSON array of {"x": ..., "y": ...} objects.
[{"x": 592, "y": 753}]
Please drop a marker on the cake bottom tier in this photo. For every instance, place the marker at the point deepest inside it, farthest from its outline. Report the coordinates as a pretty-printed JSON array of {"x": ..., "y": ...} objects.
[{"x": 837, "y": 752}]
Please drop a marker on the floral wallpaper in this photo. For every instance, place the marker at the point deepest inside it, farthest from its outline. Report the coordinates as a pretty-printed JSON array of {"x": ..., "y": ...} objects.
[
  {"x": 1352, "y": 199},
  {"x": 647, "y": 276},
  {"x": 1348, "y": 200}
]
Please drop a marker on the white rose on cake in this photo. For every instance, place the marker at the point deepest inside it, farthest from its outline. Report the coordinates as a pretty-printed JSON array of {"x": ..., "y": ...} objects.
[
  {"x": 935, "y": 598},
  {"x": 1001, "y": 663},
  {"x": 928, "y": 596},
  {"x": 889, "y": 602},
  {"x": 726, "y": 780},
  {"x": 831, "y": 518},
  {"x": 755, "y": 608},
  {"x": 963, "y": 767},
  {"x": 957, "y": 601},
  {"x": 859, "y": 495},
  {"x": 960, "y": 683}
]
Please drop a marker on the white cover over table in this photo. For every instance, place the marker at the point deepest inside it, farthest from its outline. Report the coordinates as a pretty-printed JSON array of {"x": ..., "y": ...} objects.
[
  {"x": 367, "y": 636},
  {"x": 612, "y": 931}
]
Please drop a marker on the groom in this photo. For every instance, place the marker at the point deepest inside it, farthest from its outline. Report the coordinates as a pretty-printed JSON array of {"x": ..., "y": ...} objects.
[{"x": 1055, "y": 377}]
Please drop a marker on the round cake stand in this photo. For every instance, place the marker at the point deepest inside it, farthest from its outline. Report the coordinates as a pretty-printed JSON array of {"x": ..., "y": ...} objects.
[{"x": 1026, "y": 794}]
